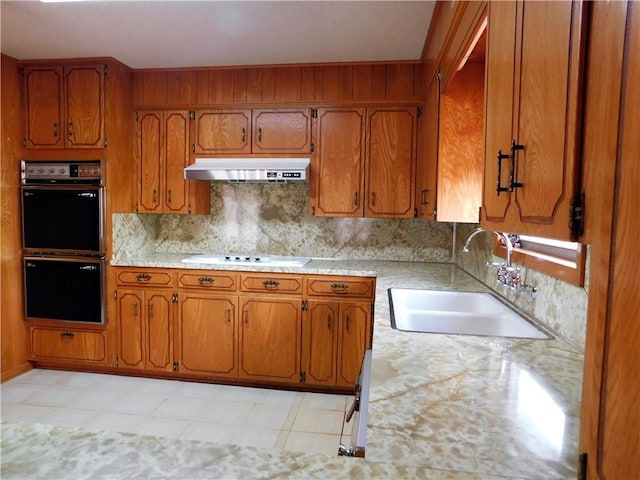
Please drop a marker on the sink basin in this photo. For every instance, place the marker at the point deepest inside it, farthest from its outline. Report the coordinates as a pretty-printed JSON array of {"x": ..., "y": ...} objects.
[{"x": 460, "y": 313}]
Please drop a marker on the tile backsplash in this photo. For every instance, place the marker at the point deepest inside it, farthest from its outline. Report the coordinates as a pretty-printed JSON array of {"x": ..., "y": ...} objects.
[{"x": 274, "y": 220}]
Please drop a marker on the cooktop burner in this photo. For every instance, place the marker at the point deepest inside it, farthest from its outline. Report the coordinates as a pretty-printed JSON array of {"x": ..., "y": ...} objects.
[{"x": 230, "y": 259}]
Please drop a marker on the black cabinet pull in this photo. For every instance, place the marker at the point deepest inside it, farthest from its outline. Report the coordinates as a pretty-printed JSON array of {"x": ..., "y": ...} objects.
[
  {"x": 206, "y": 280},
  {"x": 66, "y": 335},
  {"x": 501, "y": 156},
  {"x": 143, "y": 277},
  {"x": 513, "y": 182}
]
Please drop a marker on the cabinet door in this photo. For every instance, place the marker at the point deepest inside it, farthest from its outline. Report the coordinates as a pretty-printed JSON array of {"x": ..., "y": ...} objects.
[
  {"x": 176, "y": 153},
  {"x": 130, "y": 317},
  {"x": 320, "y": 337},
  {"x": 150, "y": 160},
  {"x": 281, "y": 131},
  {"x": 84, "y": 94},
  {"x": 270, "y": 339},
  {"x": 427, "y": 155},
  {"x": 159, "y": 330},
  {"x": 222, "y": 132},
  {"x": 353, "y": 340},
  {"x": 538, "y": 114},
  {"x": 207, "y": 335},
  {"x": 337, "y": 170},
  {"x": 59, "y": 344},
  {"x": 44, "y": 108},
  {"x": 548, "y": 120},
  {"x": 499, "y": 97},
  {"x": 391, "y": 137}
]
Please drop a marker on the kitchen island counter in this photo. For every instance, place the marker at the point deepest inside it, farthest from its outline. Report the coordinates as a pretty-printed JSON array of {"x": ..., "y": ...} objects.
[{"x": 441, "y": 406}]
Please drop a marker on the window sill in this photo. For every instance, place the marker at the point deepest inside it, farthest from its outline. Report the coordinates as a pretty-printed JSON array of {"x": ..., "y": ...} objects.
[{"x": 570, "y": 272}]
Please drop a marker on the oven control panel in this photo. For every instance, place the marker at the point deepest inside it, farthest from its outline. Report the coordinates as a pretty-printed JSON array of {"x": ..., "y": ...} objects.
[{"x": 34, "y": 172}]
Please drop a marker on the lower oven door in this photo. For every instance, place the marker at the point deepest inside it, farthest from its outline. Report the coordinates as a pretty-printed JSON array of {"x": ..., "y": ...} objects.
[{"x": 64, "y": 288}]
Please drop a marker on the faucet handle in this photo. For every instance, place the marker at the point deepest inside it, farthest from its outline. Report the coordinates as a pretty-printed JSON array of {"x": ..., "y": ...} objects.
[{"x": 494, "y": 264}]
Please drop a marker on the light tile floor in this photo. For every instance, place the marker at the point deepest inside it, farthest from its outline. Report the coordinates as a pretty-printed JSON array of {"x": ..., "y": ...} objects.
[{"x": 278, "y": 419}]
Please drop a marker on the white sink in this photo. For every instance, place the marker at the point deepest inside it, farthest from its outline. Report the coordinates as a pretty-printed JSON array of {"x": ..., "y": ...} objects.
[{"x": 462, "y": 313}]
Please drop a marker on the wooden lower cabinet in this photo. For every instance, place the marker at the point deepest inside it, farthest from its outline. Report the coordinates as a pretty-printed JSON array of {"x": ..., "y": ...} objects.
[
  {"x": 145, "y": 329},
  {"x": 207, "y": 330},
  {"x": 335, "y": 336},
  {"x": 68, "y": 344},
  {"x": 270, "y": 339}
]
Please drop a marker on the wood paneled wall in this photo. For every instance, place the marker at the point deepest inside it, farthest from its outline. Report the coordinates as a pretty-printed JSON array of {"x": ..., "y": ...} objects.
[
  {"x": 335, "y": 83},
  {"x": 14, "y": 336}
]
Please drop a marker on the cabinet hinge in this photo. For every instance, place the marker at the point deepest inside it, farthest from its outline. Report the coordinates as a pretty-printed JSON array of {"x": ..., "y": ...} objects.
[
  {"x": 117, "y": 362},
  {"x": 439, "y": 75},
  {"x": 176, "y": 366},
  {"x": 105, "y": 70},
  {"x": 303, "y": 377},
  {"x": 192, "y": 115},
  {"x": 174, "y": 298},
  {"x": 415, "y": 213},
  {"x": 115, "y": 294},
  {"x": 582, "y": 466},
  {"x": 193, "y": 147},
  {"x": 189, "y": 208},
  {"x": 137, "y": 118},
  {"x": 106, "y": 142},
  {"x": 314, "y": 113},
  {"x": 313, "y": 147},
  {"x": 305, "y": 305},
  {"x": 419, "y": 112},
  {"x": 576, "y": 214}
]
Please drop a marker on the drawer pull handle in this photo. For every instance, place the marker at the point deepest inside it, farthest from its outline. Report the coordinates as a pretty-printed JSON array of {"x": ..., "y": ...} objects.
[
  {"x": 143, "y": 277},
  {"x": 272, "y": 284},
  {"x": 66, "y": 335},
  {"x": 206, "y": 280},
  {"x": 339, "y": 287}
]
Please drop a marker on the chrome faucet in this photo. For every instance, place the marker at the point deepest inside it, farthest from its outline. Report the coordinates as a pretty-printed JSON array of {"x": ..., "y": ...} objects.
[
  {"x": 504, "y": 237},
  {"x": 506, "y": 275}
]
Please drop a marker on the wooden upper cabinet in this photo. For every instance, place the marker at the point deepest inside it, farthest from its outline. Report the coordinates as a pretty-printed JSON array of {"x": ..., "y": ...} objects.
[
  {"x": 364, "y": 162},
  {"x": 337, "y": 172},
  {"x": 391, "y": 148},
  {"x": 281, "y": 131},
  {"x": 163, "y": 153},
  {"x": 64, "y": 106},
  {"x": 427, "y": 155},
  {"x": 534, "y": 71},
  {"x": 238, "y": 132},
  {"x": 219, "y": 132}
]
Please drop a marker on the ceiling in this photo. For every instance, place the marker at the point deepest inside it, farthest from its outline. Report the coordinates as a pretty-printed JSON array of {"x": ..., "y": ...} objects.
[{"x": 168, "y": 34}]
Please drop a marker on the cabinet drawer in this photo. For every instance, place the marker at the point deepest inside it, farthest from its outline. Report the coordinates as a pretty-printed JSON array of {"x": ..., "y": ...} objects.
[
  {"x": 68, "y": 344},
  {"x": 208, "y": 280},
  {"x": 341, "y": 287},
  {"x": 144, "y": 277},
  {"x": 271, "y": 283}
]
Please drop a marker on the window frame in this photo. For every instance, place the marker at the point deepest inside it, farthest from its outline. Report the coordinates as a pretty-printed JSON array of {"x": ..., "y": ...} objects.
[{"x": 553, "y": 261}]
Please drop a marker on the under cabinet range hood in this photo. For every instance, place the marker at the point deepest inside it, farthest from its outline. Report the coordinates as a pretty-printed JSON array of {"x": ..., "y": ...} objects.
[{"x": 259, "y": 169}]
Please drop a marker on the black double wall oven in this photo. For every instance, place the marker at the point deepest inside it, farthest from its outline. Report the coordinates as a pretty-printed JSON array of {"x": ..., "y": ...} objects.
[{"x": 63, "y": 240}]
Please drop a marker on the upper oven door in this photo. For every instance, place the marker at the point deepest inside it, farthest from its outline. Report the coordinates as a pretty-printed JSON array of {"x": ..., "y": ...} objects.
[{"x": 63, "y": 219}]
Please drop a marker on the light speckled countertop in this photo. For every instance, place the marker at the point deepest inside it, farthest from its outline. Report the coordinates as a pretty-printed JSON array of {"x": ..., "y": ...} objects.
[{"x": 441, "y": 406}]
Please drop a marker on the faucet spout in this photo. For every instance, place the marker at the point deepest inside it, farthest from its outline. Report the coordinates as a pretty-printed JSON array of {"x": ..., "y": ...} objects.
[{"x": 501, "y": 235}]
